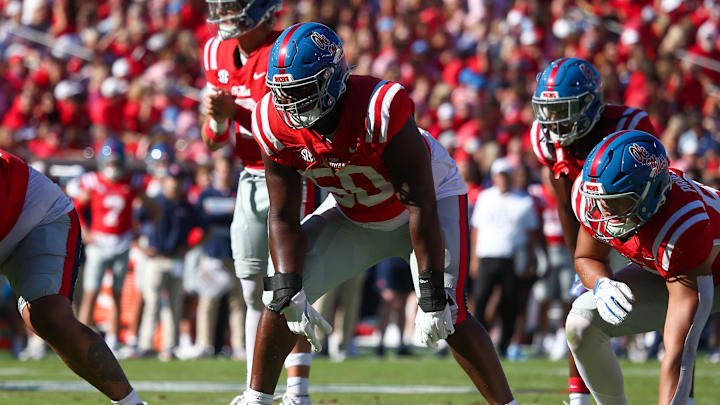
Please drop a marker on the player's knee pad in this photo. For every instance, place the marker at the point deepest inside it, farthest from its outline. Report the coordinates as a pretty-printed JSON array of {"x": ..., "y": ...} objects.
[
  {"x": 252, "y": 291},
  {"x": 575, "y": 328},
  {"x": 298, "y": 359}
]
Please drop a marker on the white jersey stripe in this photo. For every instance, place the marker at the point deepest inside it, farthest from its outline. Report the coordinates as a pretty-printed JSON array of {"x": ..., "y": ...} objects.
[
  {"x": 676, "y": 235},
  {"x": 206, "y": 53},
  {"x": 266, "y": 123},
  {"x": 670, "y": 222},
  {"x": 385, "y": 110},
  {"x": 258, "y": 135},
  {"x": 213, "y": 54},
  {"x": 535, "y": 138},
  {"x": 626, "y": 114},
  {"x": 633, "y": 124},
  {"x": 371, "y": 111}
]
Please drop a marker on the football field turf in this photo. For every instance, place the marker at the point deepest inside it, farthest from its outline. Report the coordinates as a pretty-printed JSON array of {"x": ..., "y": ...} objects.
[{"x": 367, "y": 380}]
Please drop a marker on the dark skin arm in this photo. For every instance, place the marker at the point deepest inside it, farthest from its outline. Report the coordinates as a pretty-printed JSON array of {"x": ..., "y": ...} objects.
[
  {"x": 682, "y": 304},
  {"x": 562, "y": 188},
  {"x": 408, "y": 159},
  {"x": 287, "y": 239}
]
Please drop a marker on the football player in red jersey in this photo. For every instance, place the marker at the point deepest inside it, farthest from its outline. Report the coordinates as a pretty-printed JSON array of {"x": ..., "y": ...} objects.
[
  {"x": 394, "y": 190},
  {"x": 235, "y": 61},
  {"x": 570, "y": 119},
  {"x": 109, "y": 194},
  {"x": 40, "y": 251},
  {"x": 668, "y": 226}
]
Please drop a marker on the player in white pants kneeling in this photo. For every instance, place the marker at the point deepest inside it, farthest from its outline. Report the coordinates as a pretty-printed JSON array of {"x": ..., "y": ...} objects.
[{"x": 668, "y": 226}]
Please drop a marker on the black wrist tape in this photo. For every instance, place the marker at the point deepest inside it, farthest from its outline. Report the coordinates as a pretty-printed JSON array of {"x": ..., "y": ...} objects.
[
  {"x": 284, "y": 286},
  {"x": 432, "y": 291}
]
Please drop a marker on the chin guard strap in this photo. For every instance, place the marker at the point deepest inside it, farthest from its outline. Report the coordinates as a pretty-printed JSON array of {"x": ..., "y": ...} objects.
[{"x": 284, "y": 286}]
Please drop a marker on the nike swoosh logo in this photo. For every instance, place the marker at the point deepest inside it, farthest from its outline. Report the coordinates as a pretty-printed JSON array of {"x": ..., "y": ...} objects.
[{"x": 258, "y": 75}]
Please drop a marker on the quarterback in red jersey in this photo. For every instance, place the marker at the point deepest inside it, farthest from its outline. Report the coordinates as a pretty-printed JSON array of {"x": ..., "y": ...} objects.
[
  {"x": 394, "y": 191},
  {"x": 571, "y": 118},
  {"x": 235, "y": 61},
  {"x": 108, "y": 194},
  {"x": 40, "y": 251},
  {"x": 668, "y": 226}
]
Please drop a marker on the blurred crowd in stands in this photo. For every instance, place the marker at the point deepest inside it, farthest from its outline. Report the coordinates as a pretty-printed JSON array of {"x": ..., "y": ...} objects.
[{"x": 74, "y": 73}]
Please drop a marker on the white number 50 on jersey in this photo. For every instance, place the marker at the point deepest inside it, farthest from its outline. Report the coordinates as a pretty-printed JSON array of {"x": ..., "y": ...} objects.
[{"x": 346, "y": 192}]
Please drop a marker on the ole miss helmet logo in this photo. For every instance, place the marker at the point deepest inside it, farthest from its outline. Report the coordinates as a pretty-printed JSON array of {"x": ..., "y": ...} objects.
[{"x": 643, "y": 157}]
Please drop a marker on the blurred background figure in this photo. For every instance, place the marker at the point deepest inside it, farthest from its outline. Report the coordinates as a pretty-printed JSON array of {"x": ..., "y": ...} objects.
[
  {"x": 394, "y": 282},
  {"x": 108, "y": 194},
  {"x": 502, "y": 223},
  {"x": 162, "y": 279},
  {"x": 215, "y": 274}
]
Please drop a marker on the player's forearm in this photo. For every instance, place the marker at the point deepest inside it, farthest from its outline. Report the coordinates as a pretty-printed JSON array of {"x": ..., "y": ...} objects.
[
  {"x": 591, "y": 270},
  {"x": 570, "y": 226},
  {"x": 425, "y": 234},
  {"x": 669, "y": 376},
  {"x": 287, "y": 245},
  {"x": 214, "y": 140},
  {"x": 688, "y": 311}
]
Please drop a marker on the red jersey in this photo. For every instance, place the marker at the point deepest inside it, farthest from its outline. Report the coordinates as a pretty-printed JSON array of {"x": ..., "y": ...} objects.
[
  {"x": 111, "y": 202},
  {"x": 13, "y": 185},
  {"x": 351, "y": 166},
  {"x": 28, "y": 199},
  {"x": 679, "y": 237},
  {"x": 566, "y": 160},
  {"x": 552, "y": 227},
  {"x": 244, "y": 78}
]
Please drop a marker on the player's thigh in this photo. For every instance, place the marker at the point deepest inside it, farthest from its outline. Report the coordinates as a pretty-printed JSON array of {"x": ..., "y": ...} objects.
[
  {"x": 248, "y": 231},
  {"x": 648, "y": 311},
  {"x": 452, "y": 214},
  {"x": 45, "y": 262},
  {"x": 338, "y": 249}
]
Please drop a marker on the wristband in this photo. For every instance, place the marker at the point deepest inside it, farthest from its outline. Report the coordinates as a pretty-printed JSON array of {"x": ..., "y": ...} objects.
[
  {"x": 432, "y": 291},
  {"x": 217, "y": 132},
  {"x": 218, "y": 127},
  {"x": 284, "y": 286}
]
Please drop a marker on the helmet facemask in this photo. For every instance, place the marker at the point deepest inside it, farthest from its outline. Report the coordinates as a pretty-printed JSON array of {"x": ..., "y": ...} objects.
[
  {"x": 303, "y": 102},
  {"x": 616, "y": 214},
  {"x": 565, "y": 119},
  {"x": 230, "y": 18}
]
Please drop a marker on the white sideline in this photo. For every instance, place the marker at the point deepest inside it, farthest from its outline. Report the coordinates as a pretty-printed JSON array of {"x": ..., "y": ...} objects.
[{"x": 195, "y": 386}]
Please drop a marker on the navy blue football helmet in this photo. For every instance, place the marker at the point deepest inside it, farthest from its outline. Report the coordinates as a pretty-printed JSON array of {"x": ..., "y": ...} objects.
[
  {"x": 159, "y": 158},
  {"x": 307, "y": 73},
  {"x": 568, "y": 99},
  {"x": 625, "y": 181},
  {"x": 111, "y": 158},
  {"x": 232, "y": 18}
]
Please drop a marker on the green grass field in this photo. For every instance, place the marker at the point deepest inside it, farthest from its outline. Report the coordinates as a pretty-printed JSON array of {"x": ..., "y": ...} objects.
[{"x": 534, "y": 381}]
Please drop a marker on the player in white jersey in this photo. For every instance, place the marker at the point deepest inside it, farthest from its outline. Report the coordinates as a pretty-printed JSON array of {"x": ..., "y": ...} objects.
[{"x": 40, "y": 249}]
